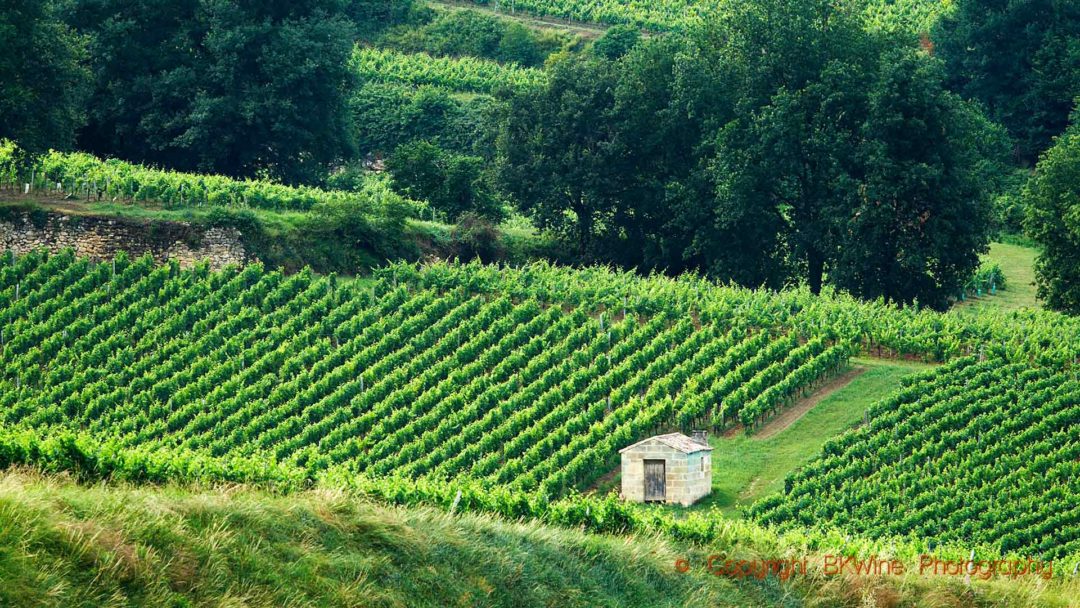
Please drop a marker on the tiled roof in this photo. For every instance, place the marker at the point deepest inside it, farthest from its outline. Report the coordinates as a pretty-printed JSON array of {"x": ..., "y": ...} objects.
[{"x": 676, "y": 441}]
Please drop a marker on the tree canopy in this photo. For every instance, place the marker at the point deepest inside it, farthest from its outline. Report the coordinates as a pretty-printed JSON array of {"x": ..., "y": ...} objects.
[
  {"x": 1053, "y": 202},
  {"x": 45, "y": 81},
  {"x": 1019, "y": 57}
]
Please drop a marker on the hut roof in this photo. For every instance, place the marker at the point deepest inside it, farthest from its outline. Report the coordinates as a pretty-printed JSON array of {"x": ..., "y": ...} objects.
[{"x": 676, "y": 441}]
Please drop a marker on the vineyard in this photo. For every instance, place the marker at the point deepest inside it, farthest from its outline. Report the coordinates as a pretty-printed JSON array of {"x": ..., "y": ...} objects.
[
  {"x": 417, "y": 382},
  {"x": 504, "y": 390},
  {"x": 976, "y": 451},
  {"x": 82, "y": 176},
  {"x": 462, "y": 74},
  {"x": 665, "y": 15}
]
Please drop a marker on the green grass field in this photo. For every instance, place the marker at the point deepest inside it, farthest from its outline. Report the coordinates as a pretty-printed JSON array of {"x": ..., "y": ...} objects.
[
  {"x": 1018, "y": 263},
  {"x": 747, "y": 468}
]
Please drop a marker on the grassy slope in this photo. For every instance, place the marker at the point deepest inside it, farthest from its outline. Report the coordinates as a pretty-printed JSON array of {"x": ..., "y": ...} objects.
[
  {"x": 1018, "y": 264},
  {"x": 746, "y": 468},
  {"x": 66, "y": 545}
]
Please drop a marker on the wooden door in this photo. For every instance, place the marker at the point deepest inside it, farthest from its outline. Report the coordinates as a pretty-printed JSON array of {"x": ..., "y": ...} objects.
[{"x": 655, "y": 480}]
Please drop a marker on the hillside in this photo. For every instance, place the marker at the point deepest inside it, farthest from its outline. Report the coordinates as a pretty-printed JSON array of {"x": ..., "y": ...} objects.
[
  {"x": 68, "y": 545},
  {"x": 65, "y": 544},
  {"x": 387, "y": 379},
  {"x": 517, "y": 386},
  {"x": 976, "y": 452}
]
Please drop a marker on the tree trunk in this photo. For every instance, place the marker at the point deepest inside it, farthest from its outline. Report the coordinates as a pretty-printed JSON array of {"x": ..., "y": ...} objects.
[
  {"x": 816, "y": 264},
  {"x": 584, "y": 226}
]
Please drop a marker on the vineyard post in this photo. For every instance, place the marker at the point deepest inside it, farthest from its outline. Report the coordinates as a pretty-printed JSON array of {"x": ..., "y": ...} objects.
[{"x": 970, "y": 567}]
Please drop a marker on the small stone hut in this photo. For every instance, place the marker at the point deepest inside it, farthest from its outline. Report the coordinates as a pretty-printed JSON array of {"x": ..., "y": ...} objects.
[{"x": 670, "y": 468}]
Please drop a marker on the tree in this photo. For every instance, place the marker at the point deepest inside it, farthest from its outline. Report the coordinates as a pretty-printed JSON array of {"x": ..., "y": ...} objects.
[
  {"x": 452, "y": 183},
  {"x": 553, "y": 150},
  {"x": 1052, "y": 198},
  {"x": 848, "y": 161},
  {"x": 782, "y": 165},
  {"x": 617, "y": 41},
  {"x": 242, "y": 89},
  {"x": 45, "y": 80},
  {"x": 922, "y": 214},
  {"x": 1019, "y": 57}
]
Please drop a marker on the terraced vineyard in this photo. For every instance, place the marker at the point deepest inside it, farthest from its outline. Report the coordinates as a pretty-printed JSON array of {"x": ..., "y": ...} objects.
[
  {"x": 463, "y": 74},
  {"x": 978, "y": 452},
  {"x": 388, "y": 380},
  {"x": 665, "y": 15},
  {"x": 80, "y": 175}
]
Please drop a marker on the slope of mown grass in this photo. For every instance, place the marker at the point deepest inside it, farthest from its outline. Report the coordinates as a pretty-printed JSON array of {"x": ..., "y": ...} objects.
[
  {"x": 747, "y": 468},
  {"x": 1017, "y": 262}
]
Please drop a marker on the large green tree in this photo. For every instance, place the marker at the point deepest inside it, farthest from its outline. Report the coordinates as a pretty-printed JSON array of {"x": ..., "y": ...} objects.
[
  {"x": 926, "y": 161},
  {"x": 555, "y": 153},
  {"x": 244, "y": 89},
  {"x": 782, "y": 169},
  {"x": 1019, "y": 57},
  {"x": 786, "y": 144},
  {"x": 43, "y": 78},
  {"x": 848, "y": 160},
  {"x": 1052, "y": 198}
]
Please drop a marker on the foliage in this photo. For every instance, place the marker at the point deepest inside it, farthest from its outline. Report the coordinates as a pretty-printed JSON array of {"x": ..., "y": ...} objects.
[
  {"x": 936, "y": 457},
  {"x": 390, "y": 378},
  {"x": 194, "y": 545},
  {"x": 44, "y": 76},
  {"x": 476, "y": 237},
  {"x": 833, "y": 157},
  {"x": 1021, "y": 58},
  {"x": 552, "y": 151},
  {"x": 386, "y": 115},
  {"x": 988, "y": 278},
  {"x": 459, "y": 33},
  {"x": 881, "y": 328},
  {"x": 924, "y": 217},
  {"x": 907, "y": 16},
  {"x": 245, "y": 90},
  {"x": 458, "y": 74},
  {"x": 452, "y": 184},
  {"x": 1009, "y": 206},
  {"x": 372, "y": 17},
  {"x": 82, "y": 175},
  {"x": 432, "y": 380},
  {"x": 616, "y": 41},
  {"x": 1052, "y": 198}
]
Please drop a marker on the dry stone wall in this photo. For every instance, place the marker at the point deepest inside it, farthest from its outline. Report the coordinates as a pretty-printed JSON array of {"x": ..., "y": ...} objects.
[{"x": 102, "y": 238}]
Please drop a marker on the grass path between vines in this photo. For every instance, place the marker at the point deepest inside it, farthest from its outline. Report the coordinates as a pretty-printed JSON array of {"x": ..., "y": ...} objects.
[
  {"x": 748, "y": 468},
  {"x": 586, "y": 30},
  {"x": 1018, "y": 264}
]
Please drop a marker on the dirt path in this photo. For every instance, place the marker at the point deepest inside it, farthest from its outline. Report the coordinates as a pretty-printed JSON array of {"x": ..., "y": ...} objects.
[
  {"x": 791, "y": 415},
  {"x": 584, "y": 29}
]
